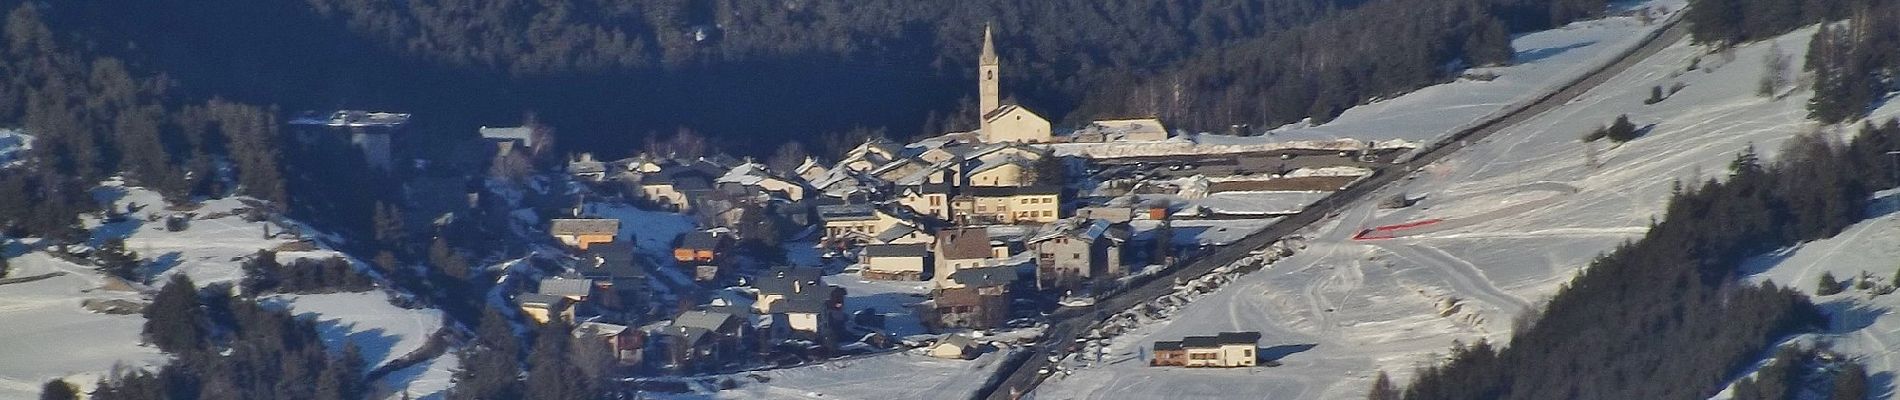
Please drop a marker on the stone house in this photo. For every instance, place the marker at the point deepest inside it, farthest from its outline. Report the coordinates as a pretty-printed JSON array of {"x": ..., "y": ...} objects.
[{"x": 907, "y": 262}]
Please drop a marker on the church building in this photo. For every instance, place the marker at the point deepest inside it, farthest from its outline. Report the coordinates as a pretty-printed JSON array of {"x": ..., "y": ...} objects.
[{"x": 1003, "y": 123}]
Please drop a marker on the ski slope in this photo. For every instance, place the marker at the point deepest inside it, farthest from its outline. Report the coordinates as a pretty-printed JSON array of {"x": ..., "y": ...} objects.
[{"x": 1340, "y": 311}]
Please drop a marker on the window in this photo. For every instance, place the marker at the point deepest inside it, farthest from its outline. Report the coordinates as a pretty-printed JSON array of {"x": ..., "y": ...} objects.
[
  {"x": 1047, "y": 213},
  {"x": 1075, "y": 256}
]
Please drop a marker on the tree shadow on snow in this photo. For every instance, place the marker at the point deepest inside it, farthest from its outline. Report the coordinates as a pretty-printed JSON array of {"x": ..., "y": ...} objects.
[
  {"x": 162, "y": 264},
  {"x": 1534, "y": 55},
  {"x": 374, "y": 344},
  {"x": 1880, "y": 385},
  {"x": 1847, "y": 316},
  {"x": 1273, "y": 354}
]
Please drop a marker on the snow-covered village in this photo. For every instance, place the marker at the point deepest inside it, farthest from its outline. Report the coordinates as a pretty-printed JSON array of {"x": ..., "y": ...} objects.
[{"x": 1586, "y": 200}]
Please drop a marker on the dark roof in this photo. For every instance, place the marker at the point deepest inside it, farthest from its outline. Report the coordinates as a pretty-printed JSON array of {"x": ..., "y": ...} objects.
[
  {"x": 700, "y": 240},
  {"x": 1174, "y": 345},
  {"x": 706, "y": 320},
  {"x": 609, "y": 261},
  {"x": 963, "y": 244},
  {"x": 895, "y": 232},
  {"x": 798, "y": 304},
  {"x": 539, "y": 300},
  {"x": 985, "y": 277},
  {"x": 1238, "y": 337},
  {"x": 1225, "y": 338},
  {"x": 930, "y": 188},
  {"x": 584, "y": 226},
  {"x": 1006, "y": 191},
  {"x": 567, "y": 287},
  {"x": 896, "y": 250},
  {"x": 847, "y": 212},
  {"x": 783, "y": 280}
]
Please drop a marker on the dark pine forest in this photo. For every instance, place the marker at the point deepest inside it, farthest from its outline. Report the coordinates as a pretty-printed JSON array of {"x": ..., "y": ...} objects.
[{"x": 610, "y": 73}]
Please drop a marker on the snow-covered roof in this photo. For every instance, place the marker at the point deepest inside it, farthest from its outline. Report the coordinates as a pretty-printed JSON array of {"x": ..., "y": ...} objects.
[{"x": 522, "y": 134}]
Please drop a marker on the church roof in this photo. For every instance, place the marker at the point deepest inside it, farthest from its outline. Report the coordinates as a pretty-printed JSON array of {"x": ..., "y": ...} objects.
[{"x": 989, "y": 48}]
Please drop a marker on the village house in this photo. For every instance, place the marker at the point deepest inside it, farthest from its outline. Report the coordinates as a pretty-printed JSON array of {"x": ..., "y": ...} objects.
[
  {"x": 1121, "y": 130},
  {"x": 932, "y": 199},
  {"x": 757, "y": 177},
  {"x": 958, "y": 249},
  {"x": 620, "y": 284},
  {"x": 627, "y": 345},
  {"x": 904, "y": 233},
  {"x": 699, "y": 340},
  {"x": 954, "y": 347},
  {"x": 508, "y": 140},
  {"x": 1001, "y": 170},
  {"x": 859, "y": 222},
  {"x": 700, "y": 252},
  {"x": 576, "y": 290},
  {"x": 810, "y": 170},
  {"x": 906, "y": 262},
  {"x": 1007, "y": 205},
  {"x": 1226, "y": 350},
  {"x": 870, "y": 155},
  {"x": 799, "y": 303},
  {"x": 1003, "y": 123},
  {"x": 945, "y": 153},
  {"x": 369, "y": 132},
  {"x": 975, "y": 298},
  {"x": 542, "y": 308},
  {"x": 898, "y": 169},
  {"x": 675, "y": 187},
  {"x": 580, "y": 233},
  {"x": 1071, "y": 252},
  {"x": 586, "y": 168}
]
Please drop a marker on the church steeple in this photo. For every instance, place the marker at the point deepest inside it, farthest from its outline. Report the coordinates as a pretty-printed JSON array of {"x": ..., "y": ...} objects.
[
  {"x": 989, "y": 48},
  {"x": 988, "y": 89}
]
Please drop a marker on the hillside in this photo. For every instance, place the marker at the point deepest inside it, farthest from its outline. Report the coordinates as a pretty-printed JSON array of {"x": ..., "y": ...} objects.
[{"x": 1347, "y": 309}]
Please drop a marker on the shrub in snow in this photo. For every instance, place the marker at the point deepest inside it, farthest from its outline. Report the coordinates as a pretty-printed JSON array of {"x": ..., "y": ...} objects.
[{"x": 1827, "y": 285}]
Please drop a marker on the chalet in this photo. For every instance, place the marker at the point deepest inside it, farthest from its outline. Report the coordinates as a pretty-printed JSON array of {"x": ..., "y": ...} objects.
[
  {"x": 1071, "y": 252},
  {"x": 896, "y": 261},
  {"x": 676, "y": 187},
  {"x": 583, "y": 232},
  {"x": 959, "y": 249},
  {"x": 759, "y": 178},
  {"x": 932, "y": 199},
  {"x": 576, "y": 290},
  {"x": 904, "y": 233},
  {"x": 1007, "y": 205},
  {"x": 627, "y": 345},
  {"x": 974, "y": 299},
  {"x": 1121, "y": 130},
  {"x": 620, "y": 284},
  {"x": 811, "y": 170},
  {"x": 955, "y": 347},
  {"x": 543, "y": 308},
  {"x": 872, "y": 154},
  {"x": 799, "y": 303},
  {"x": 701, "y": 339},
  {"x": 1005, "y": 169},
  {"x": 702, "y": 246},
  {"x": 861, "y": 222},
  {"x": 507, "y": 140},
  {"x": 587, "y": 168},
  {"x": 1226, "y": 350}
]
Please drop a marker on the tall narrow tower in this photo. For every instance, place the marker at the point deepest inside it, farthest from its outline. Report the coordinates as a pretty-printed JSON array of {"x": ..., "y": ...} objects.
[{"x": 986, "y": 82}]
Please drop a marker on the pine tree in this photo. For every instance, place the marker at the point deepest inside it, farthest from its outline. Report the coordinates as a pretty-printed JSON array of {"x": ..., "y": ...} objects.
[
  {"x": 491, "y": 367},
  {"x": 1850, "y": 382},
  {"x": 58, "y": 389},
  {"x": 342, "y": 378},
  {"x": 552, "y": 376},
  {"x": 1383, "y": 389},
  {"x": 174, "y": 322},
  {"x": 1827, "y": 285}
]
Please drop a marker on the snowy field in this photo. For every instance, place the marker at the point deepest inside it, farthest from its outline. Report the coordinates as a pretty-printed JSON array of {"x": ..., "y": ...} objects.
[
  {"x": 1260, "y": 202},
  {"x": 906, "y": 375},
  {"x": 1533, "y": 211},
  {"x": 48, "y": 335},
  {"x": 1863, "y": 324},
  {"x": 380, "y": 330},
  {"x": 57, "y": 338}
]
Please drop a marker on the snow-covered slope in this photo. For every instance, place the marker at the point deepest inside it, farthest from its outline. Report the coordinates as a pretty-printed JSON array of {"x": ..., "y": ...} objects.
[
  {"x": 1523, "y": 211},
  {"x": 48, "y": 335}
]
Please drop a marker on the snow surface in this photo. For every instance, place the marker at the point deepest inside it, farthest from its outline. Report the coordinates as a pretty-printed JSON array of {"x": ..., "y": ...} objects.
[
  {"x": 60, "y": 339},
  {"x": 1343, "y": 310},
  {"x": 1862, "y": 323},
  {"x": 429, "y": 380},
  {"x": 48, "y": 335},
  {"x": 382, "y": 331},
  {"x": 903, "y": 375}
]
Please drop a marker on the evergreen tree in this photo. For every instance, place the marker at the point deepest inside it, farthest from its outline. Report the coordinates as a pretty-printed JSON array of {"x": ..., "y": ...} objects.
[
  {"x": 174, "y": 322},
  {"x": 1383, "y": 389},
  {"x": 342, "y": 378},
  {"x": 1850, "y": 382},
  {"x": 1827, "y": 285},
  {"x": 58, "y": 389},
  {"x": 491, "y": 368},
  {"x": 552, "y": 375}
]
